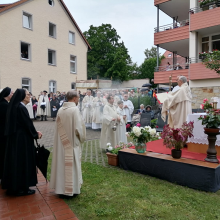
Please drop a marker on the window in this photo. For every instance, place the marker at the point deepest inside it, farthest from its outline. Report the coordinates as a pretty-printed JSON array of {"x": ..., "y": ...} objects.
[
  {"x": 27, "y": 20},
  {"x": 52, "y": 86},
  {"x": 216, "y": 42},
  {"x": 51, "y": 2},
  {"x": 169, "y": 55},
  {"x": 26, "y": 84},
  {"x": 73, "y": 85},
  {"x": 72, "y": 64},
  {"x": 205, "y": 44},
  {"x": 52, "y": 30},
  {"x": 25, "y": 51},
  {"x": 51, "y": 57},
  {"x": 71, "y": 38}
]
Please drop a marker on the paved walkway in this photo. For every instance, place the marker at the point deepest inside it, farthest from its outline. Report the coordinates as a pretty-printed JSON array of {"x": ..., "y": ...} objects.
[{"x": 43, "y": 205}]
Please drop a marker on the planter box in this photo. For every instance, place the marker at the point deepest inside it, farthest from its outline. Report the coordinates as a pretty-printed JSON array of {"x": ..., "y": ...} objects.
[
  {"x": 206, "y": 6},
  {"x": 112, "y": 159}
]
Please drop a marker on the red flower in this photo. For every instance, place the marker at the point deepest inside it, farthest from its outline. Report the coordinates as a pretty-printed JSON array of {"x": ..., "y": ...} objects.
[
  {"x": 157, "y": 126},
  {"x": 138, "y": 125},
  {"x": 205, "y": 100},
  {"x": 128, "y": 126}
]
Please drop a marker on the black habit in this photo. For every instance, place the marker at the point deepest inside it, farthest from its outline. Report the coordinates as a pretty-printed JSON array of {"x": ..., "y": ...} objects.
[
  {"x": 3, "y": 110},
  {"x": 20, "y": 163},
  {"x": 57, "y": 105}
]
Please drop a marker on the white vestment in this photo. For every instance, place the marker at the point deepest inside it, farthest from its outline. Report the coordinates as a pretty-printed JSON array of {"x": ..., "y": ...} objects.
[
  {"x": 73, "y": 124},
  {"x": 98, "y": 105},
  {"x": 46, "y": 111},
  {"x": 107, "y": 134},
  {"x": 116, "y": 99},
  {"x": 179, "y": 106},
  {"x": 30, "y": 109},
  {"x": 129, "y": 110},
  {"x": 87, "y": 109},
  {"x": 122, "y": 126}
]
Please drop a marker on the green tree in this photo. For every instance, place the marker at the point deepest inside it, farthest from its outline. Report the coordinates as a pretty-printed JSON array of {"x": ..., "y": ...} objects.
[
  {"x": 109, "y": 57},
  {"x": 151, "y": 53}
]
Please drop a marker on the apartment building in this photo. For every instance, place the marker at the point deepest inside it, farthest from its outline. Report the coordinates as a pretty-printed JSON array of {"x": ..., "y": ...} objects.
[
  {"x": 195, "y": 29},
  {"x": 41, "y": 46}
]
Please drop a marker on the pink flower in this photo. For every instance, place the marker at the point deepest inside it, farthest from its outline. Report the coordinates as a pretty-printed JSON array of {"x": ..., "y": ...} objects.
[
  {"x": 138, "y": 125},
  {"x": 205, "y": 100},
  {"x": 128, "y": 126},
  {"x": 202, "y": 106}
]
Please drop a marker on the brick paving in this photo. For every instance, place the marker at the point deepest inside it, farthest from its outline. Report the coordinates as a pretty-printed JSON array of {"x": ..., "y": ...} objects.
[{"x": 43, "y": 205}]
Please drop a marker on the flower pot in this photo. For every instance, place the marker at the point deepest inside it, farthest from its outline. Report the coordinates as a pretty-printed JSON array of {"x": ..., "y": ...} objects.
[
  {"x": 176, "y": 154},
  {"x": 140, "y": 147},
  {"x": 112, "y": 159},
  {"x": 211, "y": 152}
]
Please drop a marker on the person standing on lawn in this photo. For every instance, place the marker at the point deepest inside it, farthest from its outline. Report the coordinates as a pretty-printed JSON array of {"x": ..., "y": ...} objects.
[
  {"x": 110, "y": 118},
  {"x": 128, "y": 108},
  {"x": 70, "y": 133},
  {"x": 122, "y": 123}
]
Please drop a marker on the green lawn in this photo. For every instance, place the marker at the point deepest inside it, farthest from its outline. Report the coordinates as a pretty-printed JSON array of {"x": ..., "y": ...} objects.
[{"x": 113, "y": 194}]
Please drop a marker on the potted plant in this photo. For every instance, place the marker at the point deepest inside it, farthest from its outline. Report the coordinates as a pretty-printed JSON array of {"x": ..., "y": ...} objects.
[
  {"x": 202, "y": 55},
  {"x": 212, "y": 60},
  {"x": 177, "y": 138},
  {"x": 142, "y": 135},
  {"x": 112, "y": 152},
  {"x": 204, "y": 4},
  {"x": 212, "y": 123}
]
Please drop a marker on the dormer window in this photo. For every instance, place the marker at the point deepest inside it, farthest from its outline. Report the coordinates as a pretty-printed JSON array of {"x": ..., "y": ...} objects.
[{"x": 51, "y": 2}]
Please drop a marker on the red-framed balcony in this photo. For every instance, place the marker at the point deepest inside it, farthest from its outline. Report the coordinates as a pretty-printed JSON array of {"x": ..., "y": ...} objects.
[
  {"x": 162, "y": 73},
  {"x": 157, "y": 2},
  {"x": 206, "y": 17},
  {"x": 198, "y": 70}
]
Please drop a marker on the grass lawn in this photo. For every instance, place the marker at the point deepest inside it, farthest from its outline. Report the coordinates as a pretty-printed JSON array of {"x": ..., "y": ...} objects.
[{"x": 114, "y": 194}]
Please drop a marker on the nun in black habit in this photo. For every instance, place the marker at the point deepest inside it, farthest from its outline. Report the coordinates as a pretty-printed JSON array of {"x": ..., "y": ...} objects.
[
  {"x": 20, "y": 164},
  {"x": 5, "y": 97}
]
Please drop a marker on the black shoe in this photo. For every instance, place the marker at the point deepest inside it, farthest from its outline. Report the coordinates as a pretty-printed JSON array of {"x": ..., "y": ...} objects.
[
  {"x": 10, "y": 192},
  {"x": 42, "y": 117},
  {"x": 25, "y": 192},
  {"x": 45, "y": 118},
  {"x": 67, "y": 197}
]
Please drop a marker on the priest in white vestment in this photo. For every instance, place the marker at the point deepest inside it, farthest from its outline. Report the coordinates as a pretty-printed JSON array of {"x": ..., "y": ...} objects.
[
  {"x": 178, "y": 105},
  {"x": 43, "y": 108},
  {"x": 110, "y": 118},
  {"x": 98, "y": 105},
  {"x": 122, "y": 123},
  {"x": 128, "y": 108},
  {"x": 70, "y": 133},
  {"x": 87, "y": 109},
  {"x": 30, "y": 109}
]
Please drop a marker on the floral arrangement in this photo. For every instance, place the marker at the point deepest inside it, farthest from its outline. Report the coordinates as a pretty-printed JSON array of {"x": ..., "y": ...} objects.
[
  {"x": 204, "y": 2},
  {"x": 211, "y": 60},
  {"x": 117, "y": 148},
  {"x": 177, "y": 138},
  {"x": 212, "y": 119},
  {"x": 143, "y": 134}
]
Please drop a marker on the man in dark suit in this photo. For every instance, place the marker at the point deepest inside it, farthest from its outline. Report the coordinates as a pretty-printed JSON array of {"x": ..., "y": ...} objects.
[{"x": 141, "y": 110}]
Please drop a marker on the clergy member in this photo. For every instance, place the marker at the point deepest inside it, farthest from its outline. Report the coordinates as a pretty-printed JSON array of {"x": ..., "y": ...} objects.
[
  {"x": 179, "y": 104},
  {"x": 5, "y": 97},
  {"x": 20, "y": 164},
  {"x": 122, "y": 123},
  {"x": 98, "y": 105},
  {"x": 87, "y": 109},
  {"x": 30, "y": 108},
  {"x": 110, "y": 118},
  {"x": 128, "y": 108},
  {"x": 70, "y": 133},
  {"x": 43, "y": 108}
]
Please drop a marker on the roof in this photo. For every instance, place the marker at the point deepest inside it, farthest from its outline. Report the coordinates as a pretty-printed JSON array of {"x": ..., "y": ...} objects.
[{"x": 5, "y": 7}]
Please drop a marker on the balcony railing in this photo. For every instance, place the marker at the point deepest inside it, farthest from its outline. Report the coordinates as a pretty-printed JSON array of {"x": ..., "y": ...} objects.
[
  {"x": 177, "y": 66},
  {"x": 208, "y": 6},
  {"x": 195, "y": 60},
  {"x": 175, "y": 25}
]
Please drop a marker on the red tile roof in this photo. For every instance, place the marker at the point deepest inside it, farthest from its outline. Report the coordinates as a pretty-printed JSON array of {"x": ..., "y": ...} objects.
[{"x": 6, "y": 7}]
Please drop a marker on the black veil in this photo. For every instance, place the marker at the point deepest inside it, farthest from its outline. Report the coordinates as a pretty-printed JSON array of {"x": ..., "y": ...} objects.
[
  {"x": 11, "y": 116},
  {"x": 4, "y": 93}
]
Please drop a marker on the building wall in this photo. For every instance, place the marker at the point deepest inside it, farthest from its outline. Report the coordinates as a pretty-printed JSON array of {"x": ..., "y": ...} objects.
[{"x": 12, "y": 68}]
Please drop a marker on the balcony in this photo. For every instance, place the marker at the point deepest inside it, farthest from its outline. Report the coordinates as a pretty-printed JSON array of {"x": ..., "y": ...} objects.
[
  {"x": 202, "y": 18},
  {"x": 174, "y": 37},
  {"x": 199, "y": 70},
  {"x": 162, "y": 73},
  {"x": 174, "y": 8}
]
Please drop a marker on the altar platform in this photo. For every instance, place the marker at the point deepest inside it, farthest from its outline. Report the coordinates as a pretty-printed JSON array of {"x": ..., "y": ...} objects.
[{"x": 196, "y": 174}]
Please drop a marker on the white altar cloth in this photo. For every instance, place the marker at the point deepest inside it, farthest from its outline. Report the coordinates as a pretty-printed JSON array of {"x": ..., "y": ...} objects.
[{"x": 199, "y": 136}]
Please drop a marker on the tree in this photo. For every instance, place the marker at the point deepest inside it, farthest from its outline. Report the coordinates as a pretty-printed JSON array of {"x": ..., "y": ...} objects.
[
  {"x": 152, "y": 53},
  {"x": 147, "y": 68},
  {"x": 109, "y": 57}
]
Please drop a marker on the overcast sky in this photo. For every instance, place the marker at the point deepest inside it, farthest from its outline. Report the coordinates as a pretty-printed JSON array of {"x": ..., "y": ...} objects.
[{"x": 134, "y": 20}]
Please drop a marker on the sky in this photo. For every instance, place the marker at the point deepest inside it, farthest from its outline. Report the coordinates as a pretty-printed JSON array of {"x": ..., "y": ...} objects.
[{"x": 134, "y": 20}]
